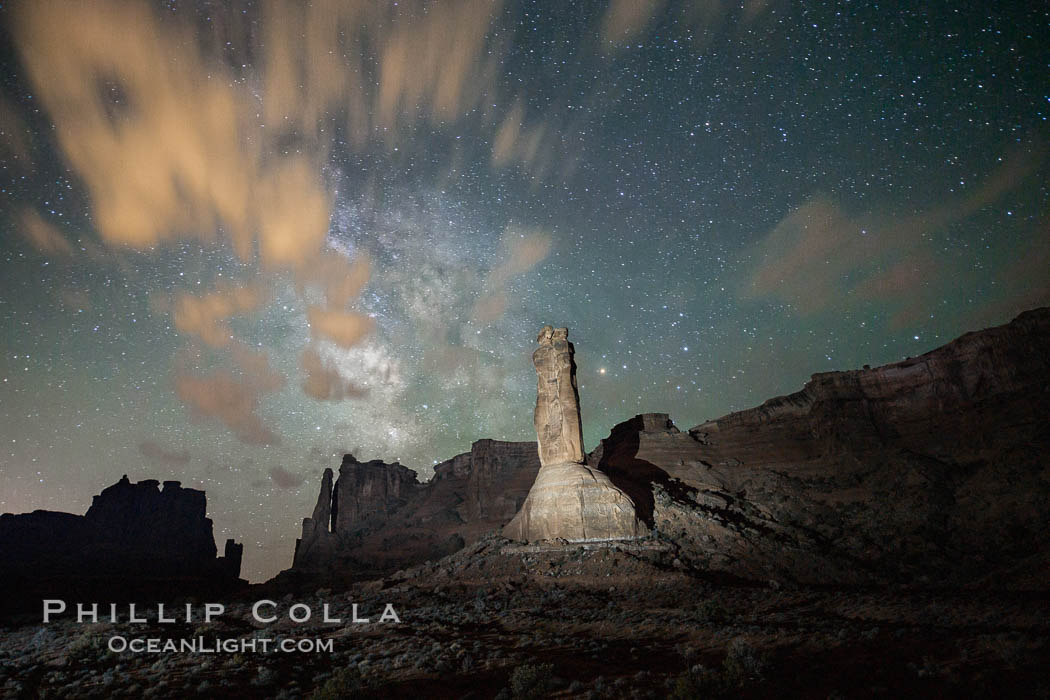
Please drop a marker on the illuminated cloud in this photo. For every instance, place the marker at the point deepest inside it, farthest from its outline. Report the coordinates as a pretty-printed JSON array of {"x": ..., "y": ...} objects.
[
  {"x": 220, "y": 396},
  {"x": 43, "y": 236},
  {"x": 323, "y": 381},
  {"x": 433, "y": 61},
  {"x": 231, "y": 396},
  {"x": 344, "y": 328},
  {"x": 14, "y": 136},
  {"x": 523, "y": 250},
  {"x": 820, "y": 258},
  {"x": 803, "y": 260},
  {"x": 155, "y": 132},
  {"x": 1023, "y": 283},
  {"x": 516, "y": 143},
  {"x": 284, "y": 479},
  {"x": 206, "y": 316},
  {"x": 626, "y": 19},
  {"x": 340, "y": 278},
  {"x": 158, "y": 453},
  {"x": 254, "y": 367},
  {"x": 293, "y": 211}
]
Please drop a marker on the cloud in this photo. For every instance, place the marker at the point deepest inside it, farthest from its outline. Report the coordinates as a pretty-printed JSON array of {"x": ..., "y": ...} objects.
[
  {"x": 254, "y": 367},
  {"x": 434, "y": 60},
  {"x": 819, "y": 257},
  {"x": 515, "y": 142},
  {"x": 14, "y": 135},
  {"x": 293, "y": 210},
  {"x": 43, "y": 235},
  {"x": 340, "y": 278},
  {"x": 344, "y": 328},
  {"x": 160, "y": 145},
  {"x": 205, "y": 316},
  {"x": 803, "y": 260},
  {"x": 151, "y": 450},
  {"x": 626, "y": 19},
  {"x": 223, "y": 137},
  {"x": 73, "y": 299},
  {"x": 522, "y": 251},
  {"x": 323, "y": 381},
  {"x": 220, "y": 396},
  {"x": 1023, "y": 283},
  {"x": 285, "y": 479},
  {"x": 231, "y": 396}
]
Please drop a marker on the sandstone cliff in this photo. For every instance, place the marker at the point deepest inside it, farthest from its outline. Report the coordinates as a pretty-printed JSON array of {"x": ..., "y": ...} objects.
[
  {"x": 934, "y": 468},
  {"x": 378, "y": 517}
]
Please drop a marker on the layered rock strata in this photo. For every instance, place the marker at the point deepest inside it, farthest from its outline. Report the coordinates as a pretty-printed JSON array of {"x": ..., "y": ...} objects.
[{"x": 934, "y": 468}]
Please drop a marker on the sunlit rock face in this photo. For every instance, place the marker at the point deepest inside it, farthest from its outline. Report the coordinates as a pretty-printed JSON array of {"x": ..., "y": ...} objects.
[
  {"x": 568, "y": 500},
  {"x": 557, "y": 414}
]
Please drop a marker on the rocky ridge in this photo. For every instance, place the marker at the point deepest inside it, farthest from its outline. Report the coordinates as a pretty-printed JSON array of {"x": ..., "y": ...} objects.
[{"x": 934, "y": 468}]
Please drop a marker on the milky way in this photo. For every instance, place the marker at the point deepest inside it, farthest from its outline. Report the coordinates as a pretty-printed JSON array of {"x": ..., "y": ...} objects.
[{"x": 240, "y": 241}]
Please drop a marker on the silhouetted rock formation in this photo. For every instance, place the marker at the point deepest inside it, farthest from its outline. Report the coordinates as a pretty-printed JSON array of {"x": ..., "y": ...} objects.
[
  {"x": 934, "y": 468},
  {"x": 378, "y": 518},
  {"x": 134, "y": 539},
  {"x": 569, "y": 500}
]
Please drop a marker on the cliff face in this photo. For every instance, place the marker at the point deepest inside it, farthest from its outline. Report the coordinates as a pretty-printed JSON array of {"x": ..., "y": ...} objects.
[
  {"x": 369, "y": 490},
  {"x": 934, "y": 468},
  {"x": 499, "y": 477},
  {"x": 134, "y": 539},
  {"x": 379, "y": 517}
]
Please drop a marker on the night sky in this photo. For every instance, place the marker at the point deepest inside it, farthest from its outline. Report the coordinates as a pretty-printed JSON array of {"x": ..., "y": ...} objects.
[{"x": 238, "y": 241}]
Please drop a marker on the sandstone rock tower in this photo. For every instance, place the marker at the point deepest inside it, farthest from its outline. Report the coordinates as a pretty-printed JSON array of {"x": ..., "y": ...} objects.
[{"x": 568, "y": 500}]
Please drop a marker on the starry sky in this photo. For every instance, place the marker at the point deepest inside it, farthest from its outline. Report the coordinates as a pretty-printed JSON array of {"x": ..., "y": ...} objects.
[{"x": 240, "y": 239}]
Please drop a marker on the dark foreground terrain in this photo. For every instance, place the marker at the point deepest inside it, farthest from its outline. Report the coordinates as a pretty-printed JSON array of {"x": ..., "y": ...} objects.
[{"x": 499, "y": 620}]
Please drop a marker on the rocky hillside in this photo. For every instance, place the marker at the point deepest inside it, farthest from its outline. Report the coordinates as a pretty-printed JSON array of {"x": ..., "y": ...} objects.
[{"x": 936, "y": 468}]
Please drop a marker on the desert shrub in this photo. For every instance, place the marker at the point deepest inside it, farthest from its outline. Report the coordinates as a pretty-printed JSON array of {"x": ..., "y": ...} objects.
[
  {"x": 531, "y": 681},
  {"x": 347, "y": 682},
  {"x": 743, "y": 664},
  {"x": 85, "y": 649},
  {"x": 711, "y": 611},
  {"x": 698, "y": 682}
]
